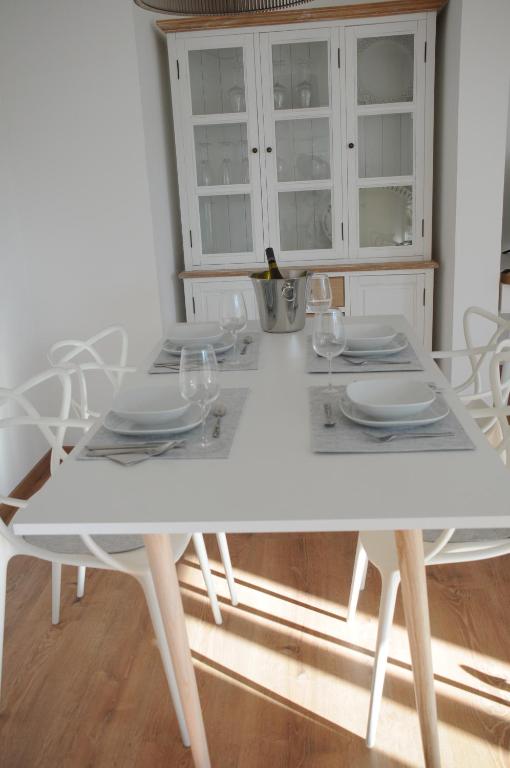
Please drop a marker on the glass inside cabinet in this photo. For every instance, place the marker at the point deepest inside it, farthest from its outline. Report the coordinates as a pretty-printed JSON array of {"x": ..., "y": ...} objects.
[
  {"x": 222, "y": 142},
  {"x": 382, "y": 75},
  {"x": 298, "y": 124}
]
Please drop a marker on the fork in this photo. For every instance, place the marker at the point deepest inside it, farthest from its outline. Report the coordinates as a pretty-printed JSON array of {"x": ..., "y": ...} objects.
[
  {"x": 389, "y": 436},
  {"x": 154, "y": 449}
]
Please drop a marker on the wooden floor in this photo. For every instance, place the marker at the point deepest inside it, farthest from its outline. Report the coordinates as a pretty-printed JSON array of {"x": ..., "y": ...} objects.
[{"x": 283, "y": 683}]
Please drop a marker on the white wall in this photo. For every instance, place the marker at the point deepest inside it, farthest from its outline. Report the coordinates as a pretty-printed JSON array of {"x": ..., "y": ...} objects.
[
  {"x": 77, "y": 246},
  {"x": 505, "y": 236},
  {"x": 473, "y": 68}
]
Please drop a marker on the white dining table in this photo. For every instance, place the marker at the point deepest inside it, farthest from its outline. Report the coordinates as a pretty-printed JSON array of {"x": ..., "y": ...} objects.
[{"x": 273, "y": 482}]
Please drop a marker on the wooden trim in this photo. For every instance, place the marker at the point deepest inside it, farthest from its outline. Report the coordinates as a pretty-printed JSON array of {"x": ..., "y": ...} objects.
[
  {"x": 330, "y": 13},
  {"x": 337, "y": 291},
  {"x": 31, "y": 483},
  {"x": 383, "y": 266}
]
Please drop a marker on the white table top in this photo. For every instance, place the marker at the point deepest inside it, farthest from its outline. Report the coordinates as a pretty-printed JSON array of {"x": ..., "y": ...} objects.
[{"x": 272, "y": 481}]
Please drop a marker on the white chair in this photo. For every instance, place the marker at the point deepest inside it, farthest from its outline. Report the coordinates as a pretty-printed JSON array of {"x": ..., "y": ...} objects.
[
  {"x": 448, "y": 546},
  {"x": 471, "y": 390},
  {"x": 86, "y": 552},
  {"x": 83, "y": 358}
]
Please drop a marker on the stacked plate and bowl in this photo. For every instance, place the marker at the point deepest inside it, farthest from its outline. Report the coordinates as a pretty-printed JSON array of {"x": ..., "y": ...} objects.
[
  {"x": 387, "y": 403},
  {"x": 161, "y": 409}
]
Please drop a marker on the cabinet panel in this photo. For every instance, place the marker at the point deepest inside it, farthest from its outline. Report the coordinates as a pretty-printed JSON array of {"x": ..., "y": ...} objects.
[
  {"x": 386, "y": 127},
  {"x": 220, "y": 135},
  {"x": 207, "y": 297},
  {"x": 390, "y": 294}
]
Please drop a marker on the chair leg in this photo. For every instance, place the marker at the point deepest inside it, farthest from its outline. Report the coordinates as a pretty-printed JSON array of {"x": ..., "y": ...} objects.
[
  {"x": 227, "y": 565},
  {"x": 358, "y": 579},
  {"x": 80, "y": 581},
  {"x": 56, "y": 577},
  {"x": 4, "y": 560},
  {"x": 389, "y": 589},
  {"x": 159, "y": 630},
  {"x": 199, "y": 544}
]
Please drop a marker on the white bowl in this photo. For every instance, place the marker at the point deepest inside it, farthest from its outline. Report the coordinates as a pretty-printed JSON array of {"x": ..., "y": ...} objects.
[
  {"x": 194, "y": 334},
  {"x": 369, "y": 336},
  {"x": 150, "y": 406},
  {"x": 389, "y": 398}
]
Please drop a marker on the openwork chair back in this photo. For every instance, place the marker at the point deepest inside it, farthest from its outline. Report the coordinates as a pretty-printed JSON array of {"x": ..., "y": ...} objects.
[{"x": 81, "y": 357}]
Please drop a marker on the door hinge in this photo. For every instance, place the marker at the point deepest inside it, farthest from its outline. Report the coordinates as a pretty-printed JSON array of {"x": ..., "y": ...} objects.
[
  {"x": 339, "y": 65},
  {"x": 190, "y": 239},
  {"x": 193, "y": 302},
  {"x": 178, "y": 71},
  {"x": 425, "y": 52},
  {"x": 342, "y": 229},
  {"x": 423, "y": 227},
  {"x": 424, "y": 296}
]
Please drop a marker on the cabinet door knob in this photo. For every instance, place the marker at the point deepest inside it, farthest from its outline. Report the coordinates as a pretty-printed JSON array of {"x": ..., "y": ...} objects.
[
  {"x": 351, "y": 145},
  {"x": 269, "y": 149},
  {"x": 254, "y": 150}
]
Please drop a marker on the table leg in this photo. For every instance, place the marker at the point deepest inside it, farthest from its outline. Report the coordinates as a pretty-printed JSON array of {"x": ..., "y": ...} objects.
[
  {"x": 414, "y": 593},
  {"x": 164, "y": 574}
]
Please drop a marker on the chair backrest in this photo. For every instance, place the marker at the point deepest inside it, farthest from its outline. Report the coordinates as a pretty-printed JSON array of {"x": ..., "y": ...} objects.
[
  {"x": 500, "y": 410},
  {"x": 480, "y": 355},
  {"x": 81, "y": 357}
]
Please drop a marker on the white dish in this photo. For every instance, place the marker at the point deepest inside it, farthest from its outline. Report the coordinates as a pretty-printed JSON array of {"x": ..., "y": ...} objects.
[
  {"x": 150, "y": 405},
  {"x": 223, "y": 345},
  {"x": 398, "y": 344},
  {"x": 191, "y": 334},
  {"x": 369, "y": 336},
  {"x": 434, "y": 413},
  {"x": 390, "y": 398},
  {"x": 184, "y": 423}
]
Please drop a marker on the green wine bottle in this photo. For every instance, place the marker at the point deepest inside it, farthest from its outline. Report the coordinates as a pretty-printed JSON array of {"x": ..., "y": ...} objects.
[{"x": 274, "y": 272}]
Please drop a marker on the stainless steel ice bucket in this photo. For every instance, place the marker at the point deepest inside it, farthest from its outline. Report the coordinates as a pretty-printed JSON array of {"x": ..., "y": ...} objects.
[{"x": 281, "y": 303}]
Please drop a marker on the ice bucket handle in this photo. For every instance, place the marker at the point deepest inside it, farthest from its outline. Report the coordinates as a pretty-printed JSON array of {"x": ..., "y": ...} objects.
[{"x": 289, "y": 291}]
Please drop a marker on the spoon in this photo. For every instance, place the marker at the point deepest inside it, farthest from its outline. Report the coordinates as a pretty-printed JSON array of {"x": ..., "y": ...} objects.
[
  {"x": 246, "y": 341},
  {"x": 219, "y": 411}
]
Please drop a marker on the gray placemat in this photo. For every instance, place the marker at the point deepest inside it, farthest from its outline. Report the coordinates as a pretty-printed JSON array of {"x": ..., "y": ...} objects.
[
  {"x": 247, "y": 362},
  {"x": 232, "y": 399},
  {"x": 348, "y": 437},
  {"x": 316, "y": 364}
]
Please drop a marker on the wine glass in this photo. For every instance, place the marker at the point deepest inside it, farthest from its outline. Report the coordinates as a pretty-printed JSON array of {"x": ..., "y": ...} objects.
[
  {"x": 233, "y": 318},
  {"x": 318, "y": 293},
  {"x": 329, "y": 337},
  {"x": 198, "y": 381}
]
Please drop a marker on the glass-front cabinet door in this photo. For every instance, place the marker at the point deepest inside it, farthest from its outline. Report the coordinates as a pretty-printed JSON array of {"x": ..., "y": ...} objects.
[
  {"x": 385, "y": 148},
  {"x": 302, "y": 128},
  {"x": 221, "y": 137}
]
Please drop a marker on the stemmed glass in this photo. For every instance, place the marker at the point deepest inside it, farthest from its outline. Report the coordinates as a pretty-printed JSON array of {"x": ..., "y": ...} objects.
[
  {"x": 318, "y": 293},
  {"x": 329, "y": 337},
  {"x": 199, "y": 382},
  {"x": 233, "y": 318}
]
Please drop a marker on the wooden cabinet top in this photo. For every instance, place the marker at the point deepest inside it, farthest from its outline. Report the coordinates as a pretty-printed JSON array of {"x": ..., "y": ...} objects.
[
  {"x": 386, "y": 266},
  {"x": 302, "y": 15}
]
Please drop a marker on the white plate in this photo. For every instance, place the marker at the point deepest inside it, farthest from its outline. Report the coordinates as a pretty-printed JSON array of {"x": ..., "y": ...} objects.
[
  {"x": 390, "y": 398},
  {"x": 398, "y": 344},
  {"x": 362, "y": 337},
  {"x": 150, "y": 405},
  {"x": 192, "y": 334},
  {"x": 436, "y": 412},
  {"x": 223, "y": 345},
  {"x": 184, "y": 423}
]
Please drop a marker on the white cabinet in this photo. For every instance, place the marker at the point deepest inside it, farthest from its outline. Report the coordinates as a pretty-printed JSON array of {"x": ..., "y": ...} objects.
[
  {"x": 203, "y": 297},
  {"x": 311, "y": 139},
  {"x": 391, "y": 294}
]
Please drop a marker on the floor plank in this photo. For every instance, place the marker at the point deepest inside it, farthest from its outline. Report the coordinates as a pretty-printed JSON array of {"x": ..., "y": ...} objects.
[{"x": 284, "y": 683}]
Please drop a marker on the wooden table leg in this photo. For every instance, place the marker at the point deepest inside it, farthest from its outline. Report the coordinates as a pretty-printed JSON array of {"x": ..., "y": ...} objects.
[
  {"x": 164, "y": 574},
  {"x": 414, "y": 593}
]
